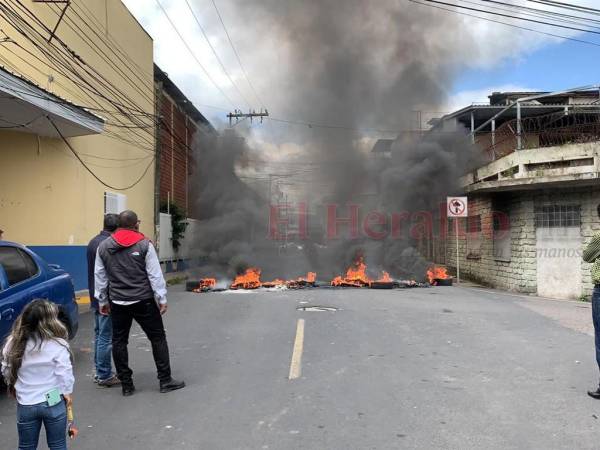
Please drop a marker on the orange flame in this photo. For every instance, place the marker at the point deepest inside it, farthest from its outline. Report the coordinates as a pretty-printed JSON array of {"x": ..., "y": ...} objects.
[
  {"x": 248, "y": 280},
  {"x": 208, "y": 282},
  {"x": 356, "y": 275},
  {"x": 439, "y": 273},
  {"x": 251, "y": 280},
  {"x": 276, "y": 282},
  {"x": 205, "y": 284},
  {"x": 385, "y": 277},
  {"x": 309, "y": 278}
]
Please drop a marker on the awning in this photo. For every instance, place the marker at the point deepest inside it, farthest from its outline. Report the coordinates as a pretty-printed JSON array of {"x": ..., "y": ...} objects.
[{"x": 26, "y": 107}]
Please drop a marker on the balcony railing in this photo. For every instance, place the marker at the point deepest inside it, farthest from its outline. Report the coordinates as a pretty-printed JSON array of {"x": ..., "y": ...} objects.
[{"x": 551, "y": 130}]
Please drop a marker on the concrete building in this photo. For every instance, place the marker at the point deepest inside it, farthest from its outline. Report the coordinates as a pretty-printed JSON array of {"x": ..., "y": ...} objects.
[
  {"x": 77, "y": 125},
  {"x": 532, "y": 204}
]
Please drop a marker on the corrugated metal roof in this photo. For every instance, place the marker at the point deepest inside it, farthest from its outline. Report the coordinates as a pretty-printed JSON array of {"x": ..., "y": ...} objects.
[
  {"x": 24, "y": 106},
  {"x": 175, "y": 93}
]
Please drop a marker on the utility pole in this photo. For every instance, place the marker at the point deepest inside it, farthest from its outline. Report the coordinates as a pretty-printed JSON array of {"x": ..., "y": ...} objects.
[{"x": 237, "y": 114}]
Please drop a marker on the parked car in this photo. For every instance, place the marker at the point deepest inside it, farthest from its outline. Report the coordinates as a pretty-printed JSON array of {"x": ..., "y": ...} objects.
[{"x": 24, "y": 277}]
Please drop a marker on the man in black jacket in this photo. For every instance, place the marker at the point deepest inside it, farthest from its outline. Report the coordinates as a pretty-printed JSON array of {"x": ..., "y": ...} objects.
[
  {"x": 127, "y": 272},
  {"x": 102, "y": 323}
]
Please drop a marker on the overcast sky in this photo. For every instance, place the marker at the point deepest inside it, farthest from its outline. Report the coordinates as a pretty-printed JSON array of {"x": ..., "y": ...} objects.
[{"x": 495, "y": 57}]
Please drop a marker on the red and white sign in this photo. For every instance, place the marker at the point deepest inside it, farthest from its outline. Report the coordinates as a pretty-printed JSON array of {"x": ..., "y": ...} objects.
[{"x": 457, "y": 206}]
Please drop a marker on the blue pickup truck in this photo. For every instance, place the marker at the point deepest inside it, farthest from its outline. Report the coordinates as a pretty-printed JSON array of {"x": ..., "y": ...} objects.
[{"x": 24, "y": 276}]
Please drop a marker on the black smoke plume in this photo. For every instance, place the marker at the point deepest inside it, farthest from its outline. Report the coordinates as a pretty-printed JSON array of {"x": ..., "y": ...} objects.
[{"x": 349, "y": 68}]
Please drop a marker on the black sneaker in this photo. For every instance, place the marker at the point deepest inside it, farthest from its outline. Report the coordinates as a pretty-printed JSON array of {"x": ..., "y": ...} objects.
[
  {"x": 171, "y": 385},
  {"x": 128, "y": 390},
  {"x": 595, "y": 394}
]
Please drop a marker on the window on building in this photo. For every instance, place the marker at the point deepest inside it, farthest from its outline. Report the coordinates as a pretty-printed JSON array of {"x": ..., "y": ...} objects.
[
  {"x": 114, "y": 203},
  {"x": 474, "y": 237},
  {"x": 474, "y": 224},
  {"x": 557, "y": 216},
  {"x": 501, "y": 232},
  {"x": 17, "y": 265}
]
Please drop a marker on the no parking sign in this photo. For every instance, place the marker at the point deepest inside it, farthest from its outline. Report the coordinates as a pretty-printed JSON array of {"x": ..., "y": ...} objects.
[{"x": 457, "y": 206}]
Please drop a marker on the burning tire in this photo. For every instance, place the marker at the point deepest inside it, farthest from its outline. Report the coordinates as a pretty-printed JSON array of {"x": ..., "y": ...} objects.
[
  {"x": 203, "y": 285},
  {"x": 191, "y": 285},
  {"x": 442, "y": 282},
  {"x": 382, "y": 285}
]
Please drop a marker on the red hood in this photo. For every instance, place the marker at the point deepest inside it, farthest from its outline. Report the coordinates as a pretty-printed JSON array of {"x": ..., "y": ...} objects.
[{"x": 127, "y": 238}]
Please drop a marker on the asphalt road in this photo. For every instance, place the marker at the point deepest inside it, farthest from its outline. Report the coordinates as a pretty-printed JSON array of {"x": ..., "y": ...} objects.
[{"x": 445, "y": 367}]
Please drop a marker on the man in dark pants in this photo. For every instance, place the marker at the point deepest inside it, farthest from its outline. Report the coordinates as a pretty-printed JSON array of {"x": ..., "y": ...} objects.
[
  {"x": 128, "y": 268},
  {"x": 591, "y": 254},
  {"x": 102, "y": 323}
]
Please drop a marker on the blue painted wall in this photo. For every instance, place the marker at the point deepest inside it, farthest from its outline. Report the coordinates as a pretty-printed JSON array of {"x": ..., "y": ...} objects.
[{"x": 71, "y": 258}]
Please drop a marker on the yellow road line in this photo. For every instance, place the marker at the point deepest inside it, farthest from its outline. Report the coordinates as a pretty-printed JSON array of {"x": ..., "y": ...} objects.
[{"x": 296, "y": 364}]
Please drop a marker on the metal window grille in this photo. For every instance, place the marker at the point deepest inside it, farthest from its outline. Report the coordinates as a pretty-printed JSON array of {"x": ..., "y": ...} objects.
[
  {"x": 557, "y": 216},
  {"x": 114, "y": 203}
]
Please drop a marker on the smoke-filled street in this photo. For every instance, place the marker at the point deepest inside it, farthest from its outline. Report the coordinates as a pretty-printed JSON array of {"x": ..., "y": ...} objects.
[
  {"x": 440, "y": 367},
  {"x": 312, "y": 225}
]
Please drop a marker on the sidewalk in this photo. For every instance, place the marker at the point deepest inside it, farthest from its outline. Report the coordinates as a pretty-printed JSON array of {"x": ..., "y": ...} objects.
[{"x": 572, "y": 314}]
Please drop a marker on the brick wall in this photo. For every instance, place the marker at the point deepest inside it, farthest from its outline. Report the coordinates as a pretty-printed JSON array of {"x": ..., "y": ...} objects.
[
  {"x": 180, "y": 159},
  {"x": 520, "y": 273},
  {"x": 176, "y": 137},
  {"x": 165, "y": 150}
]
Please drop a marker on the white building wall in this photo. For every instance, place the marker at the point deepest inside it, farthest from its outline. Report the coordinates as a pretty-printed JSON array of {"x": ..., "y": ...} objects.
[{"x": 187, "y": 249}]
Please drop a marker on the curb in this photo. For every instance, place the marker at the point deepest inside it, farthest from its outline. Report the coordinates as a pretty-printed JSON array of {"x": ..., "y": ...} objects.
[{"x": 82, "y": 297}]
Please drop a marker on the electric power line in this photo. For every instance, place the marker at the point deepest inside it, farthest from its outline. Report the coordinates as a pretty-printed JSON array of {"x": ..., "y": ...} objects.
[
  {"x": 113, "y": 43},
  {"x": 540, "y": 13},
  {"x": 191, "y": 52},
  {"x": 469, "y": 8},
  {"x": 66, "y": 66},
  {"x": 50, "y": 52},
  {"x": 565, "y": 5},
  {"x": 262, "y": 104},
  {"x": 47, "y": 48},
  {"x": 333, "y": 127},
  {"x": 215, "y": 53},
  {"x": 581, "y": 41},
  {"x": 116, "y": 66},
  {"x": 62, "y": 72},
  {"x": 107, "y": 133},
  {"x": 543, "y": 11},
  {"x": 91, "y": 172}
]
